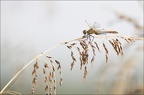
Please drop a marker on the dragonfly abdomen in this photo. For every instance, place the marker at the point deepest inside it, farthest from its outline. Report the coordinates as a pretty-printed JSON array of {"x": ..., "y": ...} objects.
[{"x": 104, "y": 32}]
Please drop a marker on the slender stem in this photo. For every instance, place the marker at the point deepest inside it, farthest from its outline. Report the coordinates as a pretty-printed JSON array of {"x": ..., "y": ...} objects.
[
  {"x": 27, "y": 66},
  {"x": 118, "y": 36},
  {"x": 97, "y": 36},
  {"x": 31, "y": 62}
]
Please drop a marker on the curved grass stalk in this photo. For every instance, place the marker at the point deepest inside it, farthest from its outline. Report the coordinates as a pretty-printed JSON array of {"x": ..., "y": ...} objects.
[
  {"x": 26, "y": 67},
  {"x": 12, "y": 93},
  {"x": 30, "y": 63},
  {"x": 118, "y": 36},
  {"x": 97, "y": 36}
]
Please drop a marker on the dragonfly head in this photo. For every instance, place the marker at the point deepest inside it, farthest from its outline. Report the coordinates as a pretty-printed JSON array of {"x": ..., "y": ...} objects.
[{"x": 84, "y": 31}]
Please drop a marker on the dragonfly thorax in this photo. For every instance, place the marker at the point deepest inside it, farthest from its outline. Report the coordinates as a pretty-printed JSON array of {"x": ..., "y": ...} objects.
[{"x": 91, "y": 31}]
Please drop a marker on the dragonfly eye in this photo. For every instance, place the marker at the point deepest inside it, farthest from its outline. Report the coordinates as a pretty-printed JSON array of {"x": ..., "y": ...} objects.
[{"x": 84, "y": 32}]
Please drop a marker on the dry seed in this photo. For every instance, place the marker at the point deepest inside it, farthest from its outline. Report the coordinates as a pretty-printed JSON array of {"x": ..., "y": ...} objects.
[
  {"x": 106, "y": 52},
  {"x": 59, "y": 66},
  {"x": 36, "y": 65},
  {"x": 92, "y": 60},
  {"x": 57, "y": 62},
  {"x": 73, "y": 44},
  {"x": 69, "y": 47},
  {"x": 97, "y": 46},
  {"x": 61, "y": 82},
  {"x": 48, "y": 57},
  {"x": 46, "y": 65},
  {"x": 72, "y": 64},
  {"x": 53, "y": 68},
  {"x": 65, "y": 42},
  {"x": 34, "y": 71},
  {"x": 73, "y": 58},
  {"x": 44, "y": 71},
  {"x": 46, "y": 88}
]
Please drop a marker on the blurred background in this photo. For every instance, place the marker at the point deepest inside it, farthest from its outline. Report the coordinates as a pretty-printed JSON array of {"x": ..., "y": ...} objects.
[{"x": 31, "y": 27}]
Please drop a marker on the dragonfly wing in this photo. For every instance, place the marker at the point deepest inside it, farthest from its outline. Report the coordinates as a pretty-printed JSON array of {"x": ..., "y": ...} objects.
[
  {"x": 90, "y": 24},
  {"x": 96, "y": 26}
]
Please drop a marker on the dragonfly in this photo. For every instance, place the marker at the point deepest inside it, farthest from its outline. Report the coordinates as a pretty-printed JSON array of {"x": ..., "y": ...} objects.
[{"x": 96, "y": 29}]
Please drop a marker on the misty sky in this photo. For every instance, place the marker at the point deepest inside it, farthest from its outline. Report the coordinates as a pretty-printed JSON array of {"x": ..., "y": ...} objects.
[{"x": 31, "y": 27}]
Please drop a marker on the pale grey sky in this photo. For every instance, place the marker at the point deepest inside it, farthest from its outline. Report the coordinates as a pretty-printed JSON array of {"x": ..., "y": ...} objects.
[
  {"x": 38, "y": 25},
  {"x": 54, "y": 22}
]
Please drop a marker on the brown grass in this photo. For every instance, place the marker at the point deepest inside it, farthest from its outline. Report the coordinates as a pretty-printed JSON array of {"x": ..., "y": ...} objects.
[{"x": 82, "y": 45}]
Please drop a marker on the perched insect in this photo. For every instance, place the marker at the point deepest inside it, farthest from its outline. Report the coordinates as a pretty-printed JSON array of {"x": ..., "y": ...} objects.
[{"x": 96, "y": 29}]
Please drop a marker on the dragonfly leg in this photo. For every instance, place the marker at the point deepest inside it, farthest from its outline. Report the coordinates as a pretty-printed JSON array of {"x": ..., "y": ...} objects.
[
  {"x": 86, "y": 37},
  {"x": 90, "y": 36}
]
